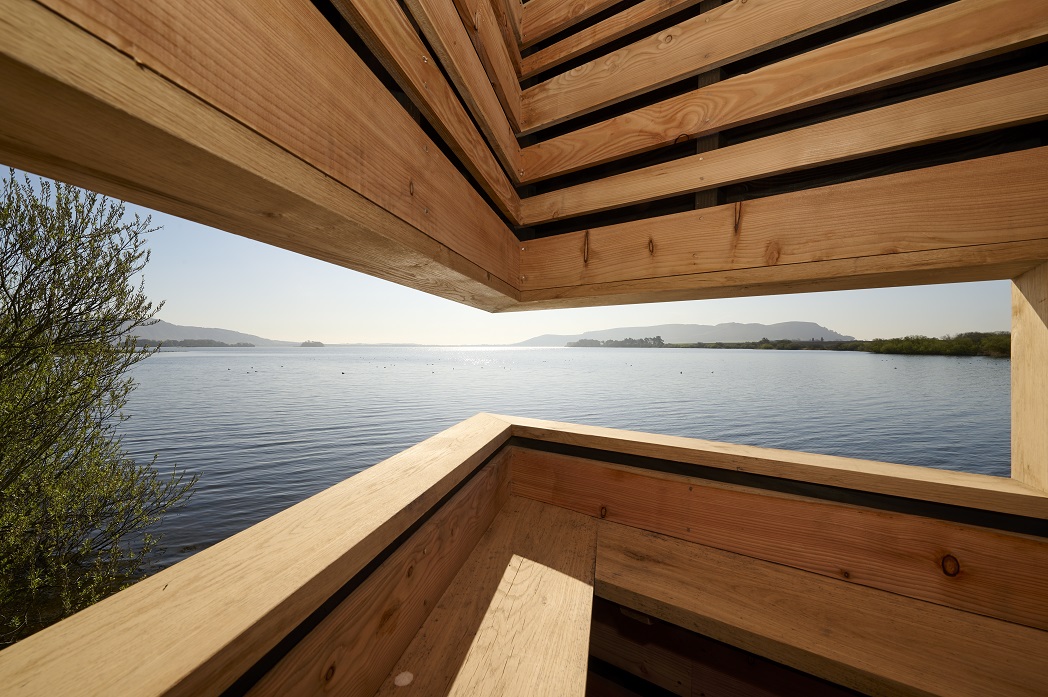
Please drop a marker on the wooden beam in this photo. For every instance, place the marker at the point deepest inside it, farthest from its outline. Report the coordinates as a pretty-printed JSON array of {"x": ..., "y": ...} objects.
[
  {"x": 629, "y": 20},
  {"x": 1030, "y": 378},
  {"x": 515, "y": 621},
  {"x": 353, "y": 649},
  {"x": 956, "y": 34},
  {"x": 389, "y": 35},
  {"x": 448, "y": 38},
  {"x": 962, "y": 205},
  {"x": 541, "y": 19},
  {"x": 196, "y": 627},
  {"x": 707, "y": 41},
  {"x": 1007, "y": 101},
  {"x": 871, "y": 641},
  {"x": 920, "y": 483},
  {"x": 479, "y": 20},
  {"x": 997, "y": 574},
  {"x": 509, "y": 37}
]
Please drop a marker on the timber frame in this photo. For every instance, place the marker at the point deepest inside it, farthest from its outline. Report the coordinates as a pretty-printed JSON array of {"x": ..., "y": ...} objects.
[{"x": 566, "y": 153}]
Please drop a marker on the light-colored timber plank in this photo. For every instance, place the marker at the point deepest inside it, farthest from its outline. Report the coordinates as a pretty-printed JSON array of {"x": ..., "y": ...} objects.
[
  {"x": 705, "y": 42},
  {"x": 1007, "y": 101},
  {"x": 509, "y": 37},
  {"x": 259, "y": 64},
  {"x": 514, "y": 9},
  {"x": 74, "y": 108},
  {"x": 976, "y": 202},
  {"x": 629, "y": 20},
  {"x": 440, "y": 23},
  {"x": 479, "y": 20},
  {"x": 1001, "y": 575},
  {"x": 922, "y": 483},
  {"x": 194, "y": 628},
  {"x": 352, "y": 649},
  {"x": 388, "y": 33},
  {"x": 541, "y": 19},
  {"x": 865, "y": 639},
  {"x": 1030, "y": 378},
  {"x": 958, "y": 33},
  {"x": 516, "y": 619}
]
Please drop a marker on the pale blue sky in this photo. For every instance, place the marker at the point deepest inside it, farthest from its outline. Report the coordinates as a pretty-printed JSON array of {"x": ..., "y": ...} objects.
[{"x": 215, "y": 279}]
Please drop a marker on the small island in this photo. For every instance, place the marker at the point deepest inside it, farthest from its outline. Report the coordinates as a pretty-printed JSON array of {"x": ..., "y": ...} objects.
[{"x": 311, "y": 344}]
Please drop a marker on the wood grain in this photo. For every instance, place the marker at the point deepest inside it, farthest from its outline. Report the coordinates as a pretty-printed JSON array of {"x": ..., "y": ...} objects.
[
  {"x": 541, "y": 19},
  {"x": 509, "y": 37},
  {"x": 388, "y": 33},
  {"x": 515, "y": 621},
  {"x": 1007, "y": 101},
  {"x": 479, "y": 20},
  {"x": 1001, "y": 575},
  {"x": 631, "y": 19},
  {"x": 353, "y": 648},
  {"x": 705, "y": 42},
  {"x": 194, "y": 628},
  {"x": 865, "y": 639},
  {"x": 953, "y": 35},
  {"x": 1030, "y": 378},
  {"x": 443, "y": 29},
  {"x": 920, "y": 483}
]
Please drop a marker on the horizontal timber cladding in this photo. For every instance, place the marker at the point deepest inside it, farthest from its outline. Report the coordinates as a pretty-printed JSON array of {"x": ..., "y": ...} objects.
[
  {"x": 980, "y": 202},
  {"x": 959, "y": 33},
  {"x": 541, "y": 19}
]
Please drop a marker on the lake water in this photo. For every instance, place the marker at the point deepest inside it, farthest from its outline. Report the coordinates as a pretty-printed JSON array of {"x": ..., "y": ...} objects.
[{"x": 266, "y": 428}]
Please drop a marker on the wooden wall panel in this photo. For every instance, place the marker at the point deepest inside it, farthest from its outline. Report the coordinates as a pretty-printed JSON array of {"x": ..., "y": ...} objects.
[{"x": 1030, "y": 378}]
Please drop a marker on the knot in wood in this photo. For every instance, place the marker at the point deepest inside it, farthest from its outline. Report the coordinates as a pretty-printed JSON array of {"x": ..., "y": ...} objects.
[{"x": 950, "y": 566}]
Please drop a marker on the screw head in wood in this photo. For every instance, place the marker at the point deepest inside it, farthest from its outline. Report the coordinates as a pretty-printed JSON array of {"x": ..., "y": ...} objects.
[
  {"x": 950, "y": 566},
  {"x": 603, "y": 511}
]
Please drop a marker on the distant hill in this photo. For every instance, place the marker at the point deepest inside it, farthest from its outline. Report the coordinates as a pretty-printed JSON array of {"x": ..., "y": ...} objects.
[
  {"x": 700, "y": 333},
  {"x": 163, "y": 331}
]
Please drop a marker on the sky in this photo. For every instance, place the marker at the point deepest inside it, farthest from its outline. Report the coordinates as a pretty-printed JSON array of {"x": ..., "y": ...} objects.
[{"x": 211, "y": 278}]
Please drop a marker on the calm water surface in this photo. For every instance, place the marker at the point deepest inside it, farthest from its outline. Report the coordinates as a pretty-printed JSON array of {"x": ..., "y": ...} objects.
[{"x": 266, "y": 428}]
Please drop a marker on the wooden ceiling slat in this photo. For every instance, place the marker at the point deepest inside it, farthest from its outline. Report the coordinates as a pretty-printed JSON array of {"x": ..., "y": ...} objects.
[
  {"x": 1007, "y": 101},
  {"x": 953, "y": 35},
  {"x": 631, "y": 19},
  {"x": 479, "y": 20},
  {"x": 707, "y": 41},
  {"x": 389, "y": 35},
  {"x": 509, "y": 38},
  {"x": 541, "y": 19},
  {"x": 439, "y": 21},
  {"x": 986, "y": 201}
]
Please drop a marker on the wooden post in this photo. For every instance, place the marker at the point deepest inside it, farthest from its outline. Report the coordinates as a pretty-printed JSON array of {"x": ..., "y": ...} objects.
[{"x": 1030, "y": 378}]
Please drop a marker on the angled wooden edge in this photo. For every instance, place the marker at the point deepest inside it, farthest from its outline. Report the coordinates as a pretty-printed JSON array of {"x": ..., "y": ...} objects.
[
  {"x": 443, "y": 29},
  {"x": 389, "y": 35},
  {"x": 1000, "y": 103},
  {"x": 541, "y": 19},
  {"x": 197, "y": 626},
  {"x": 875, "y": 642},
  {"x": 1030, "y": 378},
  {"x": 509, "y": 36},
  {"x": 996, "y": 574},
  {"x": 710, "y": 40},
  {"x": 629, "y": 20},
  {"x": 959, "y": 33},
  {"x": 76, "y": 108},
  {"x": 921, "y": 483},
  {"x": 478, "y": 18}
]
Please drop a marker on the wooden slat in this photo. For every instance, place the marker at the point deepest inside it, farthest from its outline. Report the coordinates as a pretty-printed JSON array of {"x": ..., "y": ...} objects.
[
  {"x": 985, "y": 201},
  {"x": 958, "y": 33},
  {"x": 388, "y": 33},
  {"x": 515, "y": 620},
  {"x": 440, "y": 23},
  {"x": 194, "y": 628},
  {"x": 1007, "y": 101},
  {"x": 353, "y": 649},
  {"x": 921, "y": 483},
  {"x": 707, "y": 41},
  {"x": 479, "y": 20},
  {"x": 1001, "y": 575},
  {"x": 509, "y": 37},
  {"x": 865, "y": 639},
  {"x": 76, "y": 109},
  {"x": 629, "y": 20},
  {"x": 1030, "y": 378},
  {"x": 541, "y": 19}
]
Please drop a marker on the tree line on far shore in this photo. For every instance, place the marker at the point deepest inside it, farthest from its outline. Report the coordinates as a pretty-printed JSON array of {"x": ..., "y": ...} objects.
[
  {"x": 993, "y": 344},
  {"x": 189, "y": 343}
]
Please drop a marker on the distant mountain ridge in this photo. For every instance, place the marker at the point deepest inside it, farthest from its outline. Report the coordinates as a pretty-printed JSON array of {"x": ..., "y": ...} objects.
[
  {"x": 700, "y": 333},
  {"x": 165, "y": 331}
]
